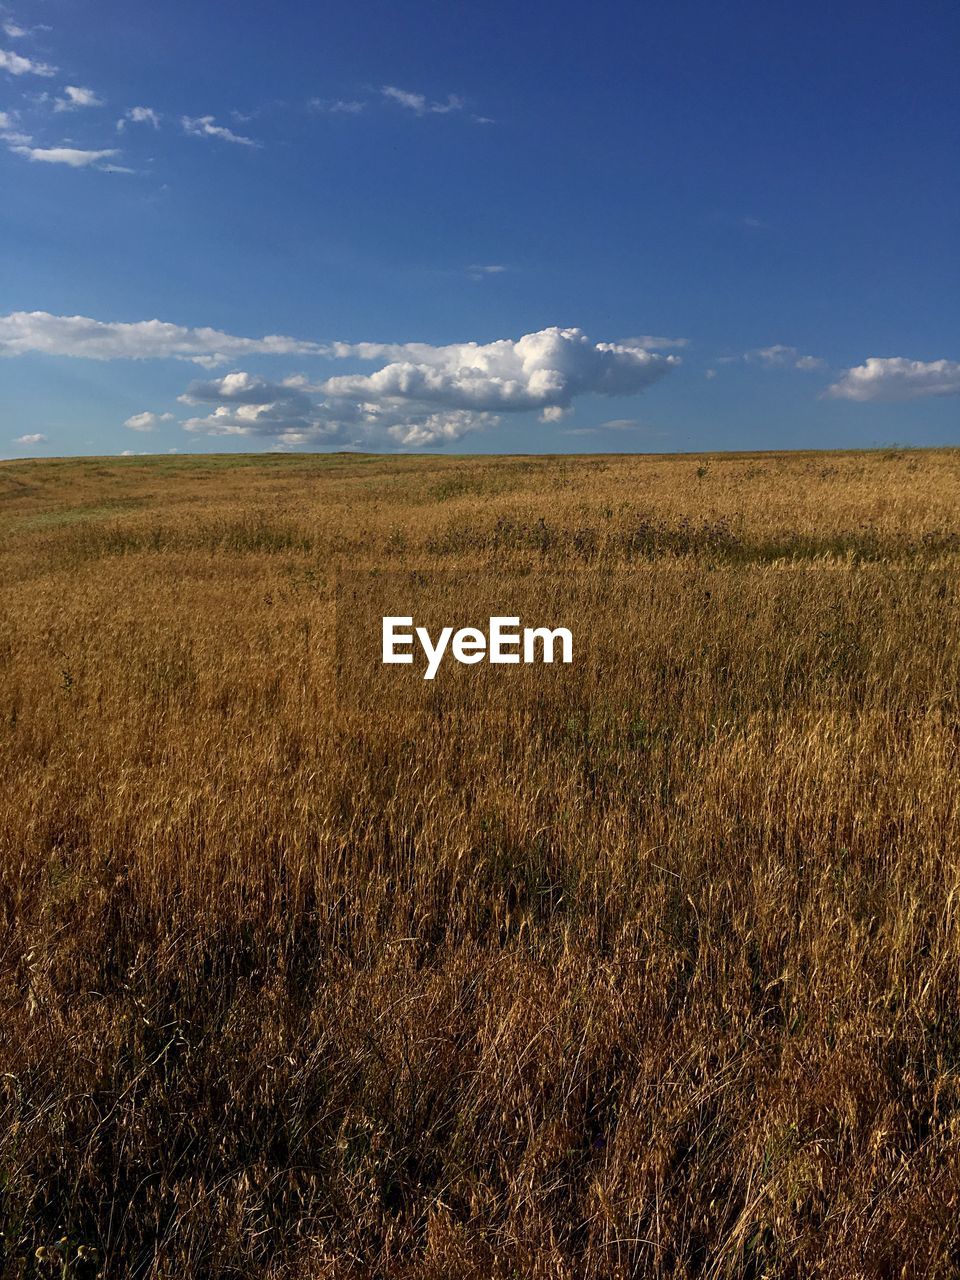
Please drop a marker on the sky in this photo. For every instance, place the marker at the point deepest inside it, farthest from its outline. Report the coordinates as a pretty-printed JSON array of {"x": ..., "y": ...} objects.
[{"x": 495, "y": 228}]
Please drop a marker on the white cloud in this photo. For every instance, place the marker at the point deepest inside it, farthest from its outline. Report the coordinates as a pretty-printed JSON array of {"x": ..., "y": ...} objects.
[
  {"x": 20, "y": 66},
  {"x": 76, "y": 97},
  {"x": 36, "y": 438},
  {"x": 206, "y": 127},
  {"x": 781, "y": 357},
  {"x": 421, "y": 394},
  {"x": 439, "y": 428},
  {"x": 648, "y": 342},
  {"x": 418, "y": 103},
  {"x": 773, "y": 356},
  {"x": 80, "y": 336},
  {"x": 538, "y": 371},
  {"x": 147, "y": 421},
  {"x": 250, "y": 405},
  {"x": 288, "y": 422},
  {"x": 11, "y": 134},
  {"x": 13, "y": 30},
  {"x": 896, "y": 378},
  {"x": 245, "y": 388},
  {"x": 480, "y": 271},
  {"x": 139, "y": 115},
  {"x": 70, "y": 156},
  {"x": 275, "y": 418},
  {"x": 337, "y": 106},
  {"x": 426, "y": 395}
]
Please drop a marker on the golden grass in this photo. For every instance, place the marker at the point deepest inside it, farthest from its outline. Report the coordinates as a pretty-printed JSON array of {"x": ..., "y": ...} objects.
[{"x": 648, "y": 969}]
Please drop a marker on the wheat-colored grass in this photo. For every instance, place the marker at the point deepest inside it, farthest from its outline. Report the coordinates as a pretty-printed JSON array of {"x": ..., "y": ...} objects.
[{"x": 649, "y": 970}]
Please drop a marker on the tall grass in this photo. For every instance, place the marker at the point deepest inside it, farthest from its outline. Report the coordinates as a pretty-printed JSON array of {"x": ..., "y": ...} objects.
[{"x": 645, "y": 968}]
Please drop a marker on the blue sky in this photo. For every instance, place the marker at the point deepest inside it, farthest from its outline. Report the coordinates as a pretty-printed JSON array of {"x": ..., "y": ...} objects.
[{"x": 538, "y": 227}]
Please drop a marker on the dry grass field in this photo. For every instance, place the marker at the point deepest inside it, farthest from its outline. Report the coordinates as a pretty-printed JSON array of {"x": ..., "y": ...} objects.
[{"x": 649, "y": 967}]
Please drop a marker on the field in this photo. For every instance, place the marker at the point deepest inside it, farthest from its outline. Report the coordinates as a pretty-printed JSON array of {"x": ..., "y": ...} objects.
[{"x": 645, "y": 968}]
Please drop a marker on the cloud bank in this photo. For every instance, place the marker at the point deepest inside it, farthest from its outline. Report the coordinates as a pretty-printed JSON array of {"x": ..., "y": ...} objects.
[
  {"x": 896, "y": 378},
  {"x": 427, "y": 395},
  {"x": 23, "y": 332},
  {"x": 541, "y": 371},
  {"x": 420, "y": 395}
]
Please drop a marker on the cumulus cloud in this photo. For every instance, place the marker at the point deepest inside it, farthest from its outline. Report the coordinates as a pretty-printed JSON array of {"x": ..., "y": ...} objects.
[
  {"x": 247, "y": 405},
  {"x": 896, "y": 378},
  {"x": 257, "y": 420},
  {"x": 13, "y": 30},
  {"x": 76, "y": 97},
  {"x": 421, "y": 394},
  {"x": 207, "y": 127},
  {"x": 418, "y": 103},
  {"x": 17, "y": 65},
  {"x": 439, "y": 428},
  {"x": 36, "y": 438},
  {"x": 344, "y": 424},
  {"x": 80, "y": 336},
  {"x": 139, "y": 115},
  {"x": 538, "y": 371},
  {"x": 147, "y": 421},
  {"x": 544, "y": 370},
  {"x": 70, "y": 156},
  {"x": 245, "y": 388},
  {"x": 425, "y": 395}
]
